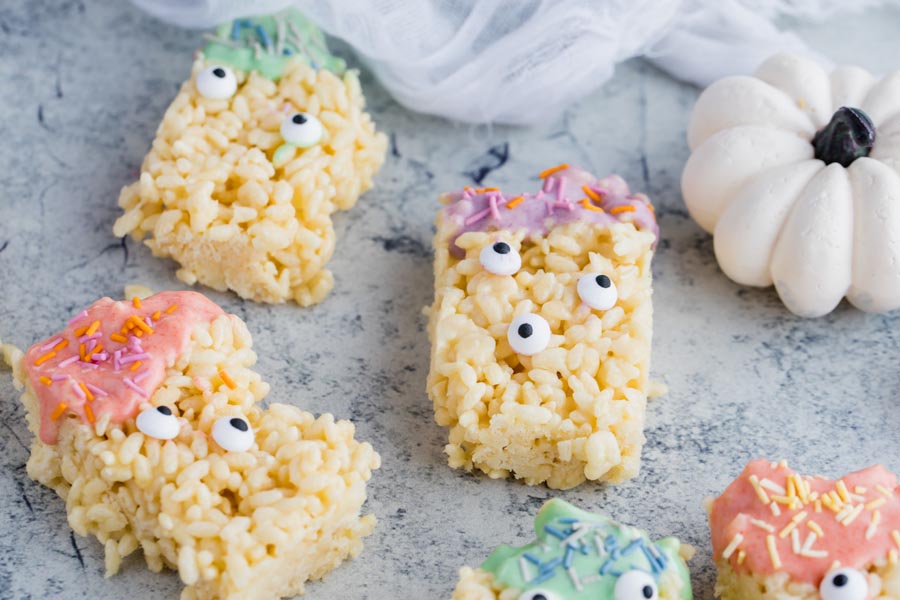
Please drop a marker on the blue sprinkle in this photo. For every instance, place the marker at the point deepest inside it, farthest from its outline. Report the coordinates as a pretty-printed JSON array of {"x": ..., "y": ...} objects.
[
  {"x": 235, "y": 30},
  {"x": 654, "y": 562},
  {"x": 615, "y": 554},
  {"x": 532, "y": 558},
  {"x": 542, "y": 577},
  {"x": 585, "y": 548},
  {"x": 287, "y": 51},
  {"x": 634, "y": 545},
  {"x": 568, "y": 520},
  {"x": 551, "y": 564},
  {"x": 610, "y": 542},
  {"x": 605, "y": 567},
  {"x": 555, "y": 532},
  {"x": 263, "y": 36},
  {"x": 567, "y": 559}
]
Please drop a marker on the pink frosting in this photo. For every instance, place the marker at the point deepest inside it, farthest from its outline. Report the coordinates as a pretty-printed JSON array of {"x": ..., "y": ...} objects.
[
  {"x": 90, "y": 374},
  {"x": 562, "y": 199},
  {"x": 855, "y": 544}
]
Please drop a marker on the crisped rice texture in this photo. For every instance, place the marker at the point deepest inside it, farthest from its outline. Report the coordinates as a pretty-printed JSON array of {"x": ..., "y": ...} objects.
[
  {"x": 572, "y": 412},
  {"x": 236, "y": 525},
  {"x": 884, "y": 583},
  {"x": 210, "y": 197}
]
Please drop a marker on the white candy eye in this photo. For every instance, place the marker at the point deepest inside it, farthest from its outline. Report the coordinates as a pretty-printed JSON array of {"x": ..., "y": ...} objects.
[
  {"x": 844, "y": 584},
  {"x": 597, "y": 291},
  {"x": 158, "y": 422},
  {"x": 500, "y": 259},
  {"x": 528, "y": 334},
  {"x": 302, "y": 130},
  {"x": 537, "y": 594},
  {"x": 636, "y": 585},
  {"x": 233, "y": 434},
  {"x": 216, "y": 82}
]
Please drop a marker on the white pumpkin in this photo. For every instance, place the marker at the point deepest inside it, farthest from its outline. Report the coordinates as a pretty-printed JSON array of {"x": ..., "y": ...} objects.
[{"x": 792, "y": 186}]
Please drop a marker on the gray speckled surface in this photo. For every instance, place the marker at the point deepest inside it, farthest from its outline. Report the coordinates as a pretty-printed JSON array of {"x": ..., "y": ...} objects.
[{"x": 84, "y": 86}]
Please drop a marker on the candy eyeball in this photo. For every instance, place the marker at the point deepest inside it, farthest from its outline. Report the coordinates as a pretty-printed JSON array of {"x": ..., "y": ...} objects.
[
  {"x": 158, "y": 422},
  {"x": 499, "y": 258},
  {"x": 302, "y": 130},
  {"x": 233, "y": 434},
  {"x": 844, "y": 584},
  {"x": 597, "y": 291},
  {"x": 216, "y": 82},
  {"x": 528, "y": 334},
  {"x": 537, "y": 594},
  {"x": 636, "y": 585}
]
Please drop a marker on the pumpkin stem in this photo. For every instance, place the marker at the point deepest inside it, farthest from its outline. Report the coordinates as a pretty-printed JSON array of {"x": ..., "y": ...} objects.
[{"x": 849, "y": 135}]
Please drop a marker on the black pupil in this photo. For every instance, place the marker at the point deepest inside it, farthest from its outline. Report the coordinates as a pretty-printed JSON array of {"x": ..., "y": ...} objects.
[
  {"x": 502, "y": 248},
  {"x": 525, "y": 330},
  {"x": 604, "y": 282},
  {"x": 840, "y": 580},
  {"x": 299, "y": 119},
  {"x": 164, "y": 410},
  {"x": 647, "y": 591},
  {"x": 239, "y": 424},
  {"x": 219, "y": 72},
  {"x": 539, "y": 596}
]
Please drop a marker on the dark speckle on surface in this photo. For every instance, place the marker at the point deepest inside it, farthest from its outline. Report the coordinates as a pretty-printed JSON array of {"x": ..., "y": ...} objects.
[{"x": 745, "y": 377}]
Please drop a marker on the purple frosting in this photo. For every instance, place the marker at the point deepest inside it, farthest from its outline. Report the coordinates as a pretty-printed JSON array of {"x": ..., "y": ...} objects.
[{"x": 561, "y": 200}]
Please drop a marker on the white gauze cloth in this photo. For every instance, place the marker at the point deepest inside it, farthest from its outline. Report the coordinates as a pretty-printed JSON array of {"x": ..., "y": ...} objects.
[{"x": 524, "y": 61}]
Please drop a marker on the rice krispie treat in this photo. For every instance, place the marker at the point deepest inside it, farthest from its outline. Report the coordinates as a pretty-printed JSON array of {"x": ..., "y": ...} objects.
[
  {"x": 778, "y": 535},
  {"x": 541, "y": 327},
  {"x": 147, "y": 422},
  {"x": 262, "y": 144},
  {"x": 579, "y": 555}
]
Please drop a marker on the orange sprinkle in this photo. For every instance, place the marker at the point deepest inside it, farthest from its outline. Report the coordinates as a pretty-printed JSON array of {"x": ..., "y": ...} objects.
[
  {"x": 515, "y": 202},
  {"x": 590, "y": 206},
  {"x": 62, "y": 344},
  {"x": 591, "y": 193},
  {"x": 135, "y": 365},
  {"x": 136, "y": 302},
  {"x": 81, "y": 351},
  {"x": 171, "y": 309},
  {"x": 80, "y": 331},
  {"x": 156, "y": 315},
  {"x": 87, "y": 392},
  {"x": 621, "y": 209},
  {"x": 92, "y": 351},
  {"x": 139, "y": 323},
  {"x": 227, "y": 379},
  {"x": 651, "y": 209},
  {"x": 490, "y": 189},
  {"x": 44, "y": 358},
  {"x": 60, "y": 409},
  {"x": 138, "y": 333},
  {"x": 46, "y": 380},
  {"x": 116, "y": 337},
  {"x": 552, "y": 170},
  {"x": 89, "y": 413},
  {"x": 93, "y": 328}
]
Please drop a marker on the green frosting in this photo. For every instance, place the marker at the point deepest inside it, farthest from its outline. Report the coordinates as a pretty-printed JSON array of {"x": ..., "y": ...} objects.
[
  {"x": 581, "y": 555},
  {"x": 265, "y": 44}
]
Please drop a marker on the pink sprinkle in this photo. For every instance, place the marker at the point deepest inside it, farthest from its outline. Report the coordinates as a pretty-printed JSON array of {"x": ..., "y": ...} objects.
[
  {"x": 467, "y": 193},
  {"x": 478, "y": 216},
  {"x": 65, "y": 363},
  {"x": 91, "y": 345},
  {"x": 133, "y": 358},
  {"x": 90, "y": 365},
  {"x": 563, "y": 204},
  {"x": 142, "y": 375},
  {"x": 89, "y": 338},
  {"x": 559, "y": 191},
  {"x": 78, "y": 391},
  {"x": 492, "y": 202},
  {"x": 95, "y": 390},
  {"x": 134, "y": 342},
  {"x": 100, "y": 357},
  {"x": 549, "y": 208},
  {"x": 50, "y": 344},
  {"x": 117, "y": 363},
  {"x": 59, "y": 377},
  {"x": 135, "y": 387},
  {"x": 80, "y": 315},
  {"x": 549, "y": 183}
]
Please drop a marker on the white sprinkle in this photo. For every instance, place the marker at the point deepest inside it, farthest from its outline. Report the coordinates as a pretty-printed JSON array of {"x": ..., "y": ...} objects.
[
  {"x": 762, "y": 525},
  {"x": 732, "y": 546},
  {"x": 591, "y": 579},
  {"x": 873, "y": 525},
  {"x": 581, "y": 530},
  {"x": 775, "y": 510},
  {"x": 574, "y": 577},
  {"x": 795, "y": 541},
  {"x": 810, "y": 540},
  {"x": 525, "y": 569},
  {"x": 772, "y": 486},
  {"x": 815, "y": 553}
]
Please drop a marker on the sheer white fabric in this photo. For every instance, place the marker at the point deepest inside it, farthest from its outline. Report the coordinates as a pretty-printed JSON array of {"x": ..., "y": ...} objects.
[{"x": 523, "y": 61}]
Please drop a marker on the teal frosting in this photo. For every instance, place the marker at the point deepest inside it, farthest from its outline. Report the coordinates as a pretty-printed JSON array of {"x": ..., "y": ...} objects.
[
  {"x": 266, "y": 44},
  {"x": 581, "y": 555}
]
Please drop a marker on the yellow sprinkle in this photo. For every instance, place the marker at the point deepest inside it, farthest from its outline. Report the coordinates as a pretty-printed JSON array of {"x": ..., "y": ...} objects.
[
  {"x": 773, "y": 551},
  {"x": 620, "y": 209},
  {"x": 783, "y": 463},
  {"x": 741, "y": 556},
  {"x": 798, "y": 518},
  {"x": 791, "y": 488},
  {"x": 732, "y": 546},
  {"x": 895, "y": 535},
  {"x": 228, "y": 380},
  {"x": 135, "y": 365},
  {"x": 590, "y": 193},
  {"x": 136, "y": 302},
  {"x": 44, "y": 359},
  {"x": 841, "y": 488},
  {"x": 93, "y": 328},
  {"x": 892, "y": 556},
  {"x": 859, "y": 489},
  {"x": 853, "y": 514},
  {"x": 116, "y": 337},
  {"x": 763, "y": 525},
  {"x": 62, "y": 344},
  {"x": 775, "y": 510},
  {"x": 884, "y": 491},
  {"x": 87, "y": 392},
  {"x": 60, "y": 409},
  {"x": 552, "y": 170},
  {"x": 786, "y": 500},
  {"x": 818, "y": 505},
  {"x": 46, "y": 380},
  {"x": 787, "y": 529},
  {"x": 761, "y": 493},
  {"x": 873, "y": 525},
  {"x": 89, "y": 413},
  {"x": 876, "y": 503},
  {"x": 515, "y": 202},
  {"x": 772, "y": 486},
  {"x": 171, "y": 309},
  {"x": 813, "y": 526}
]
